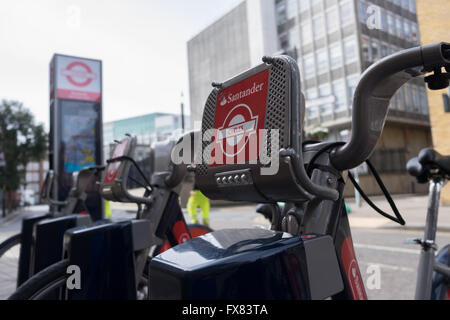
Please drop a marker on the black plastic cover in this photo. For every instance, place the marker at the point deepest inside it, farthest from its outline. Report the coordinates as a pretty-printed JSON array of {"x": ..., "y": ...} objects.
[{"x": 247, "y": 264}]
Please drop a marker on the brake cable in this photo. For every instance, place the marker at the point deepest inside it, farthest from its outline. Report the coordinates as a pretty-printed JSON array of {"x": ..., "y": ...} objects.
[{"x": 398, "y": 217}]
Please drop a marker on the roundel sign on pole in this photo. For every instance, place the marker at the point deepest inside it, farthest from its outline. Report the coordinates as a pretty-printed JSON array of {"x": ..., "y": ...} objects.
[
  {"x": 78, "y": 78},
  {"x": 240, "y": 114}
]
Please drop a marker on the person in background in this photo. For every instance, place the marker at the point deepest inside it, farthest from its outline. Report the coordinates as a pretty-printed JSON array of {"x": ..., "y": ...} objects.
[{"x": 196, "y": 200}]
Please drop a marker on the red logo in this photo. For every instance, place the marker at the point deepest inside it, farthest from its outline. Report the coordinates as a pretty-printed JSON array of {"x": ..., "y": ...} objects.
[
  {"x": 352, "y": 270},
  {"x": 79, "y": 74},
  {"x": 113, "y": 167},
  {"x": 240, "y": 114},
  {"x": 181, "y": 232}
]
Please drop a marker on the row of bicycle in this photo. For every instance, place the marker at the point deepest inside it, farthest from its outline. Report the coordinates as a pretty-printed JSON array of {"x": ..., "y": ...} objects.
[{"x": 307, "y": 253}]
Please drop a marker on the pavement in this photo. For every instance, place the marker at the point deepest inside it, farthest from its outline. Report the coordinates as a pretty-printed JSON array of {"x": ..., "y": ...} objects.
[{"x": 379, "y": 242}]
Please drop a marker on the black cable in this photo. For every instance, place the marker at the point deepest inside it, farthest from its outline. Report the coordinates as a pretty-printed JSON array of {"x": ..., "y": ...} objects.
[
  {"x": 318, "y": 153},
  {"x": 398, "y": 218},
  {"x": 133, "y": 162},
  {"x": 139, "y": 183}
]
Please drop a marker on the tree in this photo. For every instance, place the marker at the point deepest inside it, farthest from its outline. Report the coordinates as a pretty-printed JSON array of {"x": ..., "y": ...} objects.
[
  {"x": 22, "y": 140},
  {"x": 317, "y": 133}
]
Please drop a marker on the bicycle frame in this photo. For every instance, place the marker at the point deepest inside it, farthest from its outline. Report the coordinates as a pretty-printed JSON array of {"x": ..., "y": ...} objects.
[
  {"x": 427, "y": 262},
  {"x": 318, "y": 210},
  {"x": 330, "y": 217}
]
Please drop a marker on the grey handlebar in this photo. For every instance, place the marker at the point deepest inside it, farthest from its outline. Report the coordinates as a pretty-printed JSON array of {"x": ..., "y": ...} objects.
[{"x": 373, "y": 93}]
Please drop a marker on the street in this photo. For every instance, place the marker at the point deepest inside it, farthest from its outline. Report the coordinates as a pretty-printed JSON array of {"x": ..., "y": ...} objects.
[{"x": 379, "y": 243}]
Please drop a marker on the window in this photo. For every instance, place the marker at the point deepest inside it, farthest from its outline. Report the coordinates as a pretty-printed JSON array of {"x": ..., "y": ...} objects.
[
  {"x": 383, "y": 50},
  {"x": 352, "y": 81},
  {"x": 405, "y": 4},
  {"x": 406, "y": 96},
  {"x": 306, "y": 33},
  {"x": 294, "y": 37},
  {"x": 335, "y": 56},
  {"x": 399, "y": 26},
  {"x": 284, "y": 40},
  {"x": 339, "y": 94},
  {"x": 314, "y": 2},
  {"x": 407, "y": 29},
  {"x": 281, "y": 12},
  {"x": 291, "y": 8},
  {"x": 423, "y": 101},
  {"x": 400, "y": 100},
  {"x": 332, "y": 20},
  {"x": 318, "y": 26},
  {"x": 322, "y": 61},
  {"x": 363, "y": 11},
  {"x": 414, "y": 33},
  {"x": 375, "y": 52},
  {"x": 304, "y": 5},
  {"x": 412, "y": 6},
  {"x": 325, "y": 90},
  {"x": 365, "y": 48},
  {"x": 312, "y": 112},
  {"x": 311, "y": 93},
  {"x": 326, "y": 108},
  {"x": 350, "y": 50},
  {"x": 390, "y": 23},
  {"x": 308, "y": 66},
  {"x": 346, "y": 11},
  {"x": 384, "y": 24}
]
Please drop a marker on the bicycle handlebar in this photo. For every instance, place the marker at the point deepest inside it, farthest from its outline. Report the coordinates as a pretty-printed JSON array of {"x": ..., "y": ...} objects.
[{"x": 373, "y": 93}]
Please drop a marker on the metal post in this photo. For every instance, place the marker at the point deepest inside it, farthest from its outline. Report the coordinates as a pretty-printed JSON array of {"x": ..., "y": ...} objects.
[
  {"x": 426, "y": 259},
  {"x": 3, "y": 199},
  {"x": 182, "y": 113},
  {"x": 357, "y": 195}
]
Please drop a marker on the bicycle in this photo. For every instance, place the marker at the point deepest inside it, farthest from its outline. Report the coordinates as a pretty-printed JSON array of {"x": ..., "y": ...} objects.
[
  {"x": 38, "y": 244},
  {"x": 308, "y": 253},
  {"x": 433, "y": 281},
  {"x": 120, "y": 271}
]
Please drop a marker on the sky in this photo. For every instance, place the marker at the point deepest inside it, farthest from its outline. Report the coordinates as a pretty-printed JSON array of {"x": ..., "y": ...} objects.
[{"x": 142, "y": 45}]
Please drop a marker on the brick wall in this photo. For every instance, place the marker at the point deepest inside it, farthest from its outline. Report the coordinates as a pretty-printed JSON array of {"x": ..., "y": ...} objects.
[{"x": 434, "y": 25}]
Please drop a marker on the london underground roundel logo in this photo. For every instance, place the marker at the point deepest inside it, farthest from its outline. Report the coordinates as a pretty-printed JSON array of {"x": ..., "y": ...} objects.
[
  {"x": 79, "y": 74},
  {"x": 237, "y": 127}
]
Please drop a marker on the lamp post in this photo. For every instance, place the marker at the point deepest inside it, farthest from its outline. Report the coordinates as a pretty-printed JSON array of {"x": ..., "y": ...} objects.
[
  {"x": 2, "y": 165},
  {"x": 182, "y": 113}
]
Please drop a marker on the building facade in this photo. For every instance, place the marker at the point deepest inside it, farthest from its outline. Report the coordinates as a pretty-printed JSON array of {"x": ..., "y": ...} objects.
[
  {"x": 434, "y": 22},
  {"x": 233, "y": 43},
  {"x": 334, "y": 41},
  {"x": 34, "y": 178},
  {"x": 147, "y": 129}
]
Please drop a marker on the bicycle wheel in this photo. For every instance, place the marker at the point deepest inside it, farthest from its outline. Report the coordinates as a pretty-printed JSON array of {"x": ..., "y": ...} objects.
[
  {"x": 44, "y": 283},
  {"x": 9, "y": 263}
]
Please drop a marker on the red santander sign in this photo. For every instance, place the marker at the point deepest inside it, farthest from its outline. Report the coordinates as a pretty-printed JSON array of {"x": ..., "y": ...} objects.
[{"x": 240, "y": 115}]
